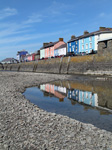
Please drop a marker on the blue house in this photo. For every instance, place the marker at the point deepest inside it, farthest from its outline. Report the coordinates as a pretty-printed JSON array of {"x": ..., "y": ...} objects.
[
  {"x": 88, "y": 98},
  {"x": 73, "y": 45},
  {"x": 73, "y": 94},
  {"x": 21, "y": 55},
  {"x": 88, "y": 42}
]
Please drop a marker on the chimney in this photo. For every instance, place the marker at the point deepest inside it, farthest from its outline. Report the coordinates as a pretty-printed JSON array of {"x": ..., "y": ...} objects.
[
  {"x": 86, "y": 32},
  {"x": 102, "y": 28},
  {"x": 73, "y": 37},
  {"x": 45, "y": 44},
  {"x": 50, "y": 42},
  {"x": 60, "y": 39}
]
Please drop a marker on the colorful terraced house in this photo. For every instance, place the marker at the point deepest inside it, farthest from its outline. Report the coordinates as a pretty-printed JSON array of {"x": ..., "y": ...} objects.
[
  {"x": 61, "y": 50},
  {"x": 47, "y": 51},
  {"x": 88, "y": 41}
]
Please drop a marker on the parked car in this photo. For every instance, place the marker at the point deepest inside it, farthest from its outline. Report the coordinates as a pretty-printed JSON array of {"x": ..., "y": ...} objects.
[
  {"x": 93, "y": 52},
  {"x": 71, "y": 54},
  {"x": 82, "y": 54}
]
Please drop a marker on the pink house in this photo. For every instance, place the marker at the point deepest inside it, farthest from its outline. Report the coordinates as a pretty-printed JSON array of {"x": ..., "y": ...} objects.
[{"x": 50, "y": 47}]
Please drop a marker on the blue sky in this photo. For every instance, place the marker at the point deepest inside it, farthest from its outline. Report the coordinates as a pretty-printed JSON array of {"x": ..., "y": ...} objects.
[{"x": 26, "y": 24}]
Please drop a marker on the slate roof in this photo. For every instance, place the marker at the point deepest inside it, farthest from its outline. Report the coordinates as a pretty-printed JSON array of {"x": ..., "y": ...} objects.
[
  {"x": 62, "y": 46},
  {"x": 90, "y": 34},
  {"x": 49, "y": 45},
  {"x": 7, "y": 59}
]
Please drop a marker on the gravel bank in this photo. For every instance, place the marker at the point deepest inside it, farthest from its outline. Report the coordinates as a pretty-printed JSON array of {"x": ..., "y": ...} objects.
[{"x": 24, "y": 126}]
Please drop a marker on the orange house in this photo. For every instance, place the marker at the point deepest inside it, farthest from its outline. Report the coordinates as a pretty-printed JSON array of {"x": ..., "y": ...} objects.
[{"x": 49, "y": 48}]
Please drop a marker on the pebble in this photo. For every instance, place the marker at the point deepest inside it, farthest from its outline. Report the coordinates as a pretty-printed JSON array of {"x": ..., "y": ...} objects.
[{"x": 24, "y": 126}]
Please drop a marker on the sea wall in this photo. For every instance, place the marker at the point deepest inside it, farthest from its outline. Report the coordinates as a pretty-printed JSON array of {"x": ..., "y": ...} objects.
[
  {"x": 49, "y": 65},
  {"x": 1, "y": 67},
  {"x": 67, "y": 65},
  {"x": 100, "y": 63},
  {"x": 28, "y": 66}
]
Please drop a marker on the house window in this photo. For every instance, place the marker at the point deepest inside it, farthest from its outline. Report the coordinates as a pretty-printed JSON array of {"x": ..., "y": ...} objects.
[
  {"x": 76, "y": 92},
  {"x": 86, "y": 95},
  {"x": 86, "y": 46},
  {"x": 90, "y": 38},
  {"x": 90, "y": 45},
  {"x": 91, "y": 96},
  {"x": 98, "y": 36},
  {"x": 82, "y": 40},
  {"x": 70, "y": 49},
  {"x": 73, "y": 48},
  {"x": 76, "y": 42},
  {"x": 82, "y": 96},
  {"x": 82, "y": 47},
  {"x": 69, "y": 44}
]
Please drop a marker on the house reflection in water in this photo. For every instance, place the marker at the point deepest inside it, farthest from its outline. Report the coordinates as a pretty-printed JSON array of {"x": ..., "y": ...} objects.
[
  {"x": 77, "y": 100},
  {"x": 57, "y": 91},
  {"x": 85, "y": 97}
]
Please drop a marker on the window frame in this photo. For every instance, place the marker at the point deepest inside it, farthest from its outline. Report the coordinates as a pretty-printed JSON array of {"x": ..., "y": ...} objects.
[
  {"x": 90, "y": 45},
  {"x": 86, "y": 45},
  {"x": 90, "y": 38},
  {"x": 69, "y": 44},
  {"x": 83, "y": 47}
]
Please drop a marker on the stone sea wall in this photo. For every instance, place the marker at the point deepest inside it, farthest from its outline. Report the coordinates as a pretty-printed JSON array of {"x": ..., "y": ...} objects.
[
  {"x": 100, "y": 64},
  {"x": 97, "y": 64},
  {"x": 1, "y": 67}
]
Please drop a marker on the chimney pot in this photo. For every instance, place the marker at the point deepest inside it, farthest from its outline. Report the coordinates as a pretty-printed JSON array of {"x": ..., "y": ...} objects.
[
  {"x": 102, "y": 28},
  {"x": 86, "y": 32},
  {"x": 45, "y": 44},
  {"x": 73, "y": 37},
  {"x": 60, "y": 39}
]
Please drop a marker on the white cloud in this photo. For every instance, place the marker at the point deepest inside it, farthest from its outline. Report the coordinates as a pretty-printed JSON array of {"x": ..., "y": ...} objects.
[
  {"x": 11, "y": 51},
  {"x": 10, "y": 29},
  {"x": 28, "y": 37},
  {"x": 102, "y": 14},
  {"x": 15, "y": 48},
  {"x": 71, "y": 14},
  {"x": 34, "y": 18},
  {"x": 7, "y": 12},
  {"x": 58, "y": 8}
]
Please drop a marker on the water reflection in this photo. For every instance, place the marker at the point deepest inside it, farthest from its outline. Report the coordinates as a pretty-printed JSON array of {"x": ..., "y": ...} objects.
[
  {"x": 89, "y": 102},
  {"x": 70, "y": 91}
]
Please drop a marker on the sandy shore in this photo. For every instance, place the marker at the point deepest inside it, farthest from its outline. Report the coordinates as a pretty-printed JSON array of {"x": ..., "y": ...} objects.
[{"x": 24, "y": 126}]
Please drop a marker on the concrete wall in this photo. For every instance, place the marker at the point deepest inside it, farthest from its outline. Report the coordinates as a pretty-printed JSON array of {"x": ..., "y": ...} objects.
[
  {"x": 5, "y": 66},
  {"x": 49, "y": 65},
  {"x": 101, "y": 62},
  {"x": 15, "y": 67},
  {"x": 1, "y": 67},
  {"x": 28, "y": 67},
  {"x": 105, "y": 47},
  {"x": 80, "y": 64},
  {"x": 8, "y": 67},
  {"x": 66, "y": 65}
]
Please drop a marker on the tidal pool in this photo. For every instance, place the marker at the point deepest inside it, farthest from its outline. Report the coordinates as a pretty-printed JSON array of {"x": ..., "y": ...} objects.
[{"x": 88, "y": 102}]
